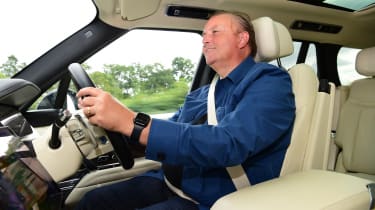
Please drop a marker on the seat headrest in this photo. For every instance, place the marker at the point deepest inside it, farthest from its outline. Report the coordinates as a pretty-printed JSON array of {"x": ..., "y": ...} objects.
[
  {"x": 365, "y": 62},
  {"x": 273, "y": 39}
]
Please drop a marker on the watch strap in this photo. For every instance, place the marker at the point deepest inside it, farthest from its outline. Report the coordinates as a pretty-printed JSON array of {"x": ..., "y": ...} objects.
[{"x": 137, "y": 130}]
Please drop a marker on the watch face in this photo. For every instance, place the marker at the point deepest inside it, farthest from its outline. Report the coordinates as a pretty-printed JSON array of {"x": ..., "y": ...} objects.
[{"x": 142, "y": 119}]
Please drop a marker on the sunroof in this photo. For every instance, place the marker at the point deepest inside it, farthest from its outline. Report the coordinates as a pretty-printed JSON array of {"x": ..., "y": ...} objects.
[
  {"x": 346, "y": 5},
  {"x": 350, "y": 4}
]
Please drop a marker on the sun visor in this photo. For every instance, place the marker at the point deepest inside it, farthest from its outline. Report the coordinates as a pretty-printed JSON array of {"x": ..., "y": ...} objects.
[
  {"x": 130, "y": 8},
  {"x": 17, "y": 92}
]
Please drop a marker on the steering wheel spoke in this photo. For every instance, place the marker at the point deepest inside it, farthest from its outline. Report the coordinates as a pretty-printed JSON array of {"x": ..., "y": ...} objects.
[{"x": 118, "y": 141}]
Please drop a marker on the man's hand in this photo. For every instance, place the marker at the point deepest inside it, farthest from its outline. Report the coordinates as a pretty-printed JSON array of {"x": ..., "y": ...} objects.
[{"x": 105, "y": 111}]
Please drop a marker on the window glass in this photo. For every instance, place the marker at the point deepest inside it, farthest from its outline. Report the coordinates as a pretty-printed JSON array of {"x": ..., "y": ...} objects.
[
  {"x": 311, "y": 57},
  {"x": 148, "y": 75},
  {"x": 346, "y": 65},
  {"x": 47, "y": 99},
  {"x": 291, "y": 60},
  {"x": 148, "y": 70},
  {"x": 30, "y": 34}
]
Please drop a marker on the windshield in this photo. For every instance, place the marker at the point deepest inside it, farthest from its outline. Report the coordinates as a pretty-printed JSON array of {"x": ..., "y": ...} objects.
[{"x": 30, "y": 28}]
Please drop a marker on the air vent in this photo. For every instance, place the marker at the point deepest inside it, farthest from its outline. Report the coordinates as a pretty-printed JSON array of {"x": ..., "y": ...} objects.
[
  {"x": 318, "y": 27},
  {"x": 189, "y": 12}
]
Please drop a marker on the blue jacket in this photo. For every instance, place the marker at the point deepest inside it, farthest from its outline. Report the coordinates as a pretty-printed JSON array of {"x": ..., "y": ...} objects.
[{"x": 255, "y": 110}]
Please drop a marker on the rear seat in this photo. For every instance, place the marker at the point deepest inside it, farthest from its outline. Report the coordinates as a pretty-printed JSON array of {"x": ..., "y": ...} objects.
[{"x": 356, "y": 122}]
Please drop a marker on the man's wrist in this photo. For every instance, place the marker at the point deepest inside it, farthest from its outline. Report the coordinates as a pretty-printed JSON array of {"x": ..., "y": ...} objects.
[{"x": 140, "y": 122}]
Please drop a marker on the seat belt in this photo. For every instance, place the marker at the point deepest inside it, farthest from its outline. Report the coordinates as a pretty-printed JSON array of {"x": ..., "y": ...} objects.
[
  {"x": 371, "y": 189},
  {"x": 237, "y": 173},
  {"x": 333, "y": 148}
]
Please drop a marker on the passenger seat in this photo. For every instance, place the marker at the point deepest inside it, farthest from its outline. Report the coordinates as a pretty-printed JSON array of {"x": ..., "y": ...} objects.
[
  {"x": 310, "y": 142},
  {"x": 309, "y": 147},
  {"x": 304, "y": 183},
  {"x": 355, "y": 134}
]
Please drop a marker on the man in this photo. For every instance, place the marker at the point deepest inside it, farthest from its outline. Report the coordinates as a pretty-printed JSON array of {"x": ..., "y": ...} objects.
[{"x": 254, "y": 107}]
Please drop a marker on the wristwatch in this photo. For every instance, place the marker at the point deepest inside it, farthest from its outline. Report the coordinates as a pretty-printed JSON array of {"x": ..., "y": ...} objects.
[{"x": 140, "y": 122}]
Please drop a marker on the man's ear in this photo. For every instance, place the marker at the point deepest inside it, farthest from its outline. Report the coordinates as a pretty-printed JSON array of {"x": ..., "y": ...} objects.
[{"x": 243, "y": 39}]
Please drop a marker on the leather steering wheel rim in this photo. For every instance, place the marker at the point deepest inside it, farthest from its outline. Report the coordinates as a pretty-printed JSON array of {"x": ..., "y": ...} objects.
[{"x": 118, "y": 141}]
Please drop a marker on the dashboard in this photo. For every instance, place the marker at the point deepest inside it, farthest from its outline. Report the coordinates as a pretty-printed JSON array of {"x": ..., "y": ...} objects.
[
  {"x": 14, "y": 94},
  {"x": 81, "y": 144}
]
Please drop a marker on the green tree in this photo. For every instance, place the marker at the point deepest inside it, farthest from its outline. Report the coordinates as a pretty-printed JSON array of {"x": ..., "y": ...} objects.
[
  {"x": 150, "y": 88},
  {"x": 125, "y": 76},
  {"x": 11, "y": 66},
  {"x": 107, "y": 82},
  {"x": 182, "y": 69},
  {"x": 155, "y": 78},
  {"x": 136, "y": 79},
  {"x": 2, "y": 75},
  {"x": 85, "y": 66},
  {"x": 166, "y": 101}
]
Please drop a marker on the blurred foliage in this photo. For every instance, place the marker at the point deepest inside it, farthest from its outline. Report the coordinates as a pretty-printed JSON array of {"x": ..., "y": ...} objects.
[
  {"x": 162, "y": 102},
  {"x": 2, "y": 76},
  {"x": 150, "y": 88},
  {"x": 10, "y": 67}
]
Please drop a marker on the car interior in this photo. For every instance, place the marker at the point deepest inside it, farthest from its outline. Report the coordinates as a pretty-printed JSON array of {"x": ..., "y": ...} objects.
[{"x": 330, "y": 162}]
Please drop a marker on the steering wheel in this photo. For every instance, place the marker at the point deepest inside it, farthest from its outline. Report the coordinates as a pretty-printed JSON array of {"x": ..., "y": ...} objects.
[{"x": 118, "y": 141}]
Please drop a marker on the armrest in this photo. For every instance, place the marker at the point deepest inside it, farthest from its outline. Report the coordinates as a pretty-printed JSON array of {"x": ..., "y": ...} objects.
[{"x": 313, "y": 189}]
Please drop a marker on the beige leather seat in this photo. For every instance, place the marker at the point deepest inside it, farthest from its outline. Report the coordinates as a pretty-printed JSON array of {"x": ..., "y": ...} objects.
[
  {"x": 310, "y": 140},
  {"x": 356, "y": 123},
  {"x": 310, "y": 143},
  {"x": 301, "y": 186}
]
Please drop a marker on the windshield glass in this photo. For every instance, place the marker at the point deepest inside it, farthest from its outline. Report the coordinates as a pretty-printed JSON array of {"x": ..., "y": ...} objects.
[{"x": 30, "y": 28}]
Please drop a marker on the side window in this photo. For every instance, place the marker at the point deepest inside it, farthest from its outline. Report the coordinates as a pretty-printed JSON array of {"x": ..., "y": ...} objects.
[
  {"x": 311, "y": 57},
  {"x": 346, "y": 65},
  {"x": 291, "y": 60},
  {"x": 48, "y": 99},
  {"x": 148, "y": 70}
]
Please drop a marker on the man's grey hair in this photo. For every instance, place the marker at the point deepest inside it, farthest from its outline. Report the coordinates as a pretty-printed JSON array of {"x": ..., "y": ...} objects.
[{"x": 244, "y": 21}]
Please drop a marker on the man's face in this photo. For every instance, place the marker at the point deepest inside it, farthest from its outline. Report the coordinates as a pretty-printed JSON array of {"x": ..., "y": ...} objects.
[{"x": 220, "y": 40}]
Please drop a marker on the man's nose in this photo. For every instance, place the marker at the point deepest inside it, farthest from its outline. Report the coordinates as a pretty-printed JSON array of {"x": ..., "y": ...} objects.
[{"x": 206, "y": 38}]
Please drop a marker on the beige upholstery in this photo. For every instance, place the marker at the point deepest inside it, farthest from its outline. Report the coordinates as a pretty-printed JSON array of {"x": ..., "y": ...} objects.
[
  {"x": 100, "y": 178},
  {"x": 365, "y": 62},
  {"x": 274, "y": 41},
  {"x": 341, "y": 94},
  {"x": 272, "y": 38},
  {"x": 299, "y": 187},
  {"x": 313, "y": 189},
  {"x": 318, "y": 145},
  {"x": 310, "y": 141},
  {"x": 356, "y": 123},
  {"x": 305, "y": 88}
]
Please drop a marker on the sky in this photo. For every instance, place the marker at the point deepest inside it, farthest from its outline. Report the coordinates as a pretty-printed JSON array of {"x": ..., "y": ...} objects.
[
  {"x": 27, "y": 33},
  {"x": 24, "y": 29},
  {"x": 149, "y": 48}
]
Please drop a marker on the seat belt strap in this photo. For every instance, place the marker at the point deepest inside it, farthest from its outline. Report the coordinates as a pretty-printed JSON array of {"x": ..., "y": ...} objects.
[
  {"x": 237, "y": 173},
  {"x": 178, "y": 191},
  {"x": 371, "y": 189}
]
